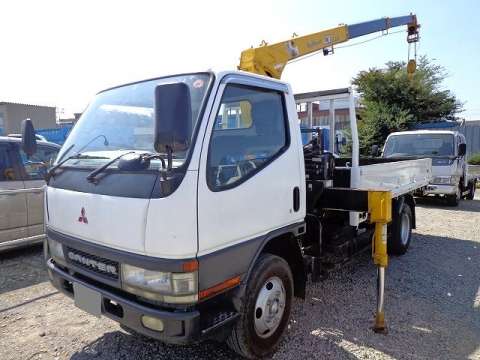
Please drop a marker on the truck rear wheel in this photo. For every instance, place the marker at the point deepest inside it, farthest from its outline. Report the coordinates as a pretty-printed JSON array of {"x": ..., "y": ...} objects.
[
  {"x": 471, "y": 190},
  {"x": 265, "y": 310},
  {"x": 401, "y": 231}
]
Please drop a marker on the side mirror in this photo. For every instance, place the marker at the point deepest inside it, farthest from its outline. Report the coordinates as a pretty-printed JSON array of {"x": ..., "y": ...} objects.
[
  {"x": 462, "y": 149},
  {"x": 173, "y": 117},
  {"x": 29, "y": 140},
  {"x": 374, "y": 151}
]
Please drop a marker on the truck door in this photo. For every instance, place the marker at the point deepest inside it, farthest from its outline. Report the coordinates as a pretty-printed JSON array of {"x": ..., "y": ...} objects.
[
  {"x": 13, "y": 204},
  {"x": 249, "y": 168}
]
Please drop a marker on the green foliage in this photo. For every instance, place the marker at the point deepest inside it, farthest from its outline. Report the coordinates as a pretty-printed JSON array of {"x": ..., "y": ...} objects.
[
  {"x": 474, "y": 159},
  {"x": 378, "y": 121},
  {"x": 392, "y": 102}
]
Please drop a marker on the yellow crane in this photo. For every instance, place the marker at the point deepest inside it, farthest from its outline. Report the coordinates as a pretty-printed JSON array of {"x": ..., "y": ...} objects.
[{"x": 270, "y": 60}]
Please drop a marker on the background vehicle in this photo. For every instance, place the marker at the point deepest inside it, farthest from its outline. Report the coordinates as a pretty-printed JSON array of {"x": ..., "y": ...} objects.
[
  {"x": 21, "y": 192},
  {"x": 452, "y": 177},
  {"x": 187, "y": 207}
]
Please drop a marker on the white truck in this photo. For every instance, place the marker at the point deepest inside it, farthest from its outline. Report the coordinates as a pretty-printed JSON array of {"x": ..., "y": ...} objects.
[
  {"x": 186, "y": 207},
  {"x": 452, "y": 177}
]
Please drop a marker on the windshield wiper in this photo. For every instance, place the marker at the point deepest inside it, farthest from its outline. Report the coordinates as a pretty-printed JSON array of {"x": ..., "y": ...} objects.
[
  {"x": 92, "y": 176},
  {"x": 51, "y": 171},
  {"x": 105, "y": 142}
]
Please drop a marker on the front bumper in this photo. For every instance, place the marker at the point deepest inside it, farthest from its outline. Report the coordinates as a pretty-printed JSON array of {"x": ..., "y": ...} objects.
[
  {"x": 180, "y": 327},
  {"x": 433, "y": 189}
]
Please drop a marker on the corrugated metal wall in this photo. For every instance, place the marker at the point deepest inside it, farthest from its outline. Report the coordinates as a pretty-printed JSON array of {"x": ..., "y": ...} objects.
[{"x": 471, "y": 130}]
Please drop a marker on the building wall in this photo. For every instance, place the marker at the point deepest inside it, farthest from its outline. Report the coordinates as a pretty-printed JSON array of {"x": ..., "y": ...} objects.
[
  {"x": 321, "y": 118},
  {"x": 41, "y": 116}
]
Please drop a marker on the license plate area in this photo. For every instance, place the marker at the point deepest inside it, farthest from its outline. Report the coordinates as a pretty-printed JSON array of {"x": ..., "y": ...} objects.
[{"x": 87, "y": 299}]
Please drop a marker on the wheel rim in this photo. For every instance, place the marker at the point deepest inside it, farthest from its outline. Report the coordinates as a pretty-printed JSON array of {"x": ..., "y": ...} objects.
[
  {"x": 405, "y": 228},
  {"x": 269, "y": 307}
]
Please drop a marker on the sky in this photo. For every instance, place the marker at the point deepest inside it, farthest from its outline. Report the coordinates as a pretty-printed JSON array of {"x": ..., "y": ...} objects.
[{"x": 61, "y": 53}]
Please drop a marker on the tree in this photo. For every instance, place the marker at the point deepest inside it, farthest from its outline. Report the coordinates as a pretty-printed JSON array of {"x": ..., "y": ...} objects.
[{"x": 393, "y": 102}]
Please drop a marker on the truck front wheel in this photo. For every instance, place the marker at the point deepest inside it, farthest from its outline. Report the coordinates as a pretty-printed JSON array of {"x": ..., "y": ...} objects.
[
  {"x": 471, "y": 190},
  {"x": 454, "y": 200},
  {"x": 401, "y": 231},
  {"x": 265, "y": 310}
]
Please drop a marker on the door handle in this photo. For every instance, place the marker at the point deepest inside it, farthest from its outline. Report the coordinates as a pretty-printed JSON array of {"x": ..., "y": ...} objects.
[{"x": 296, "y": 199}]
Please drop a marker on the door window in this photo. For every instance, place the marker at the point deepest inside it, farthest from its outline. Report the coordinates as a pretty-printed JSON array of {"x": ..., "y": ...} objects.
[
  {"x": 9, "y": 162},
  {"x": 250, "y": 131},
  {"x": 37, "y": 165},
  {"x": 7, "y": 169}
]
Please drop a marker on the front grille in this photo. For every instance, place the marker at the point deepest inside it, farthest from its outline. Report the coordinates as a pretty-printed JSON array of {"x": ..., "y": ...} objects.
[{"x": 93, "y": 263}]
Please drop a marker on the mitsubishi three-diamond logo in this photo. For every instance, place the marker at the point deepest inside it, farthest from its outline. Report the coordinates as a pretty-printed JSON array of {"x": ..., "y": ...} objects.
[{"x": 83, "y": 217}]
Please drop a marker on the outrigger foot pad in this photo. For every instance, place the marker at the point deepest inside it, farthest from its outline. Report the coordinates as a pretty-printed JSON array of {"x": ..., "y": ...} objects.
[
  {"x": 380, "y": 330},
  {"x": 380, "y": 327}
]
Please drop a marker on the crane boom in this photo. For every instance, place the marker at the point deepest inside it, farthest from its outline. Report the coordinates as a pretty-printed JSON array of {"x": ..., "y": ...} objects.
[{"x": 270, "y": 60}]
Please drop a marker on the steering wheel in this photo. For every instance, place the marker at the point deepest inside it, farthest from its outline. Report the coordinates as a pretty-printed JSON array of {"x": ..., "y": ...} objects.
[
  {"x": 228, "y": 174},
  {"x": 9, "y": 174}
]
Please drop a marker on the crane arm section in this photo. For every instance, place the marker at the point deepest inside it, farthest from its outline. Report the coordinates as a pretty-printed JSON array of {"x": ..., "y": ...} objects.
[{"x": 270, "y": 60}]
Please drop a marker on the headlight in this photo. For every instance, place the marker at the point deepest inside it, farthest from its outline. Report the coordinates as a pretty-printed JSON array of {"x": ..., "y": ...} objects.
[
  {"x": 146, "y": 279},
  {"x": 444, "y": 180},
  {"x": 56, "y": 249},
  {"x": 161, "y": 286}
]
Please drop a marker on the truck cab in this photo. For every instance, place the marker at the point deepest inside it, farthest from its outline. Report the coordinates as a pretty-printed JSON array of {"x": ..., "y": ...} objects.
[
  {"x": 446, "y": 148},
  {"x": 155, "y": 242}
]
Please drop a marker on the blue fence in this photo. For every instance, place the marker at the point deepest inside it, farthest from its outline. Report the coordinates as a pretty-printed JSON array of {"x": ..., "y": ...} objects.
[{"x": 57, "y": 136}]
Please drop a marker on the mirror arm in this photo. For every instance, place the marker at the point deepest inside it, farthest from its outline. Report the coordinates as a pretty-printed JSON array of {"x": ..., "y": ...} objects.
[
  {"x": 162, "y": 160},
  {"x": 169, "y": 157}
]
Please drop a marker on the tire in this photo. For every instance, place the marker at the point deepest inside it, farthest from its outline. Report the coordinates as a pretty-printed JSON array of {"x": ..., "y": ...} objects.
[
  {"x": 401, "y": 231},
  {"x": 252, "y": 337},
  {"x": 471, "y": 190},
  {"x": 454, "y": 200}
]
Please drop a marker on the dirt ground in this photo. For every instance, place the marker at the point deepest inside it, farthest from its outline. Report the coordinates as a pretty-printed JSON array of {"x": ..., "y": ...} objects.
[{"x": 432, "y": 306}]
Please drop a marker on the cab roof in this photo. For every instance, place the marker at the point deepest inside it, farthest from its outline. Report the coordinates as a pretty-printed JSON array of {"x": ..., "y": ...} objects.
[{"x": 451, "y": 132}]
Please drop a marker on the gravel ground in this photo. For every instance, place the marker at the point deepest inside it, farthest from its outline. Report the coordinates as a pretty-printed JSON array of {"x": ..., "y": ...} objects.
[{"x": 432, "y": 306}]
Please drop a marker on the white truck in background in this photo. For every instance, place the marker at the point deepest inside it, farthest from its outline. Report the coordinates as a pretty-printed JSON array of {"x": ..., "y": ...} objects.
[{"x": 452, "y": 177}]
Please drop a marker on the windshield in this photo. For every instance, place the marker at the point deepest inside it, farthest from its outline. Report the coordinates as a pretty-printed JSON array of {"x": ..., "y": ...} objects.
[
  {"x": 419, "y": 145},
  {"x": 122, "y": 119}
]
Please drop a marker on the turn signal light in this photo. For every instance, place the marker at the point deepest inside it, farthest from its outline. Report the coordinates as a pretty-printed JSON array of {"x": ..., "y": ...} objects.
[
  {"x": 214, "y": 290},
  {"x": 190, "y": 266}
]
